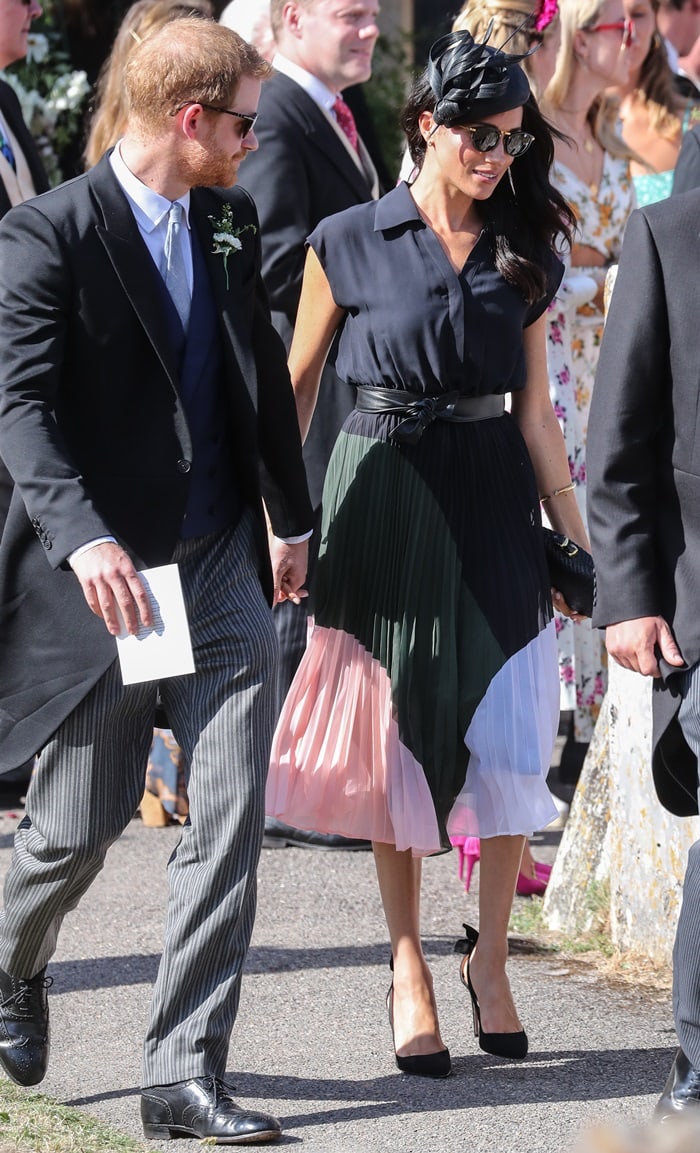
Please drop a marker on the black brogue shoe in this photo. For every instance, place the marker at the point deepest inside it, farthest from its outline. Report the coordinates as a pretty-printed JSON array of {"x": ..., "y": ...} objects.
[
  {"x": 203, "y": 1108},
  {"x": 682, "y": 1089},
  {"x": 24, "y": 1027}
]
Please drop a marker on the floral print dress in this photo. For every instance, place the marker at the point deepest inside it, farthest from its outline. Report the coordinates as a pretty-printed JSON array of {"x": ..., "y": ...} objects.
[{"x": 574, "y": 331}]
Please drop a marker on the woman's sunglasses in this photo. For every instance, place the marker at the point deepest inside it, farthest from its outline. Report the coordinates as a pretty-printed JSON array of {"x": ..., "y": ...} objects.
[
  {"x": 626, "y": 27},
  {"x": 485, "y": 138}
]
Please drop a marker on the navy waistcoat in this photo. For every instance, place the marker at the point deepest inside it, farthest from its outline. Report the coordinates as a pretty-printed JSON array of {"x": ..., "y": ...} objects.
[{"x": 214, "y": 501}]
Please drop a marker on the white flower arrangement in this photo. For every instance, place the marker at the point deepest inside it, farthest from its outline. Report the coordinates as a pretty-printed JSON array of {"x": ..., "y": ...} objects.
[
  {"x": 226, "y": 235},
  {"x": 51, "y": 97}
]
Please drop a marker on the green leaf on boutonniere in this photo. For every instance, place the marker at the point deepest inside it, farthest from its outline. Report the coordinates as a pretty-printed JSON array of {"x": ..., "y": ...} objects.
[{"x": 227, "y": 236}]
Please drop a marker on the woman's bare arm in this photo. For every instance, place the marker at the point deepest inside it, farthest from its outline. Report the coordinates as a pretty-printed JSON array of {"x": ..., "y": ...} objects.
[{"x": 317, "y": 320}]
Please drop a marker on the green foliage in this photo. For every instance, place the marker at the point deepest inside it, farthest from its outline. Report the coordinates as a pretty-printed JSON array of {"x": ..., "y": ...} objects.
[
  {"x": 51, "y": 94},
  {"x": 527, "y": 920},
  {"x": 386, "y": 93}
]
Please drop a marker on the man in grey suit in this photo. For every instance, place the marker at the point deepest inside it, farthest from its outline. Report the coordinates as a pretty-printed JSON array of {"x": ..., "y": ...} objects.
[
  {"x": 145, "y": 411},
  {"x": 644, "y": 519},
  {"x": 311, "y": 164}
]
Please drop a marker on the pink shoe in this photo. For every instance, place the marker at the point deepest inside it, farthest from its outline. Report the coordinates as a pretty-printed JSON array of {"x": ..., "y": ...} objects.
[
  {"x": 469, "y": 853},
  {"x": 530, "y": 886},
  {"x": 542, "y": 870}
]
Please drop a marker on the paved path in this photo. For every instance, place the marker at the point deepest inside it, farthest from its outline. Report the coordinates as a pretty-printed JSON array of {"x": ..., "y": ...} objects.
[{"x": 312, "y": 1043}]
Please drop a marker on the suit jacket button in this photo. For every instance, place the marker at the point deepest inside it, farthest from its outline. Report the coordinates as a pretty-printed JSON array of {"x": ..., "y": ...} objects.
[{"x": 184, "y": 465}]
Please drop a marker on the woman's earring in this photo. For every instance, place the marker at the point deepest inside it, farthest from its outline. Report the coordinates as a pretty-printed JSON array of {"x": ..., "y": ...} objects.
[{"x": 512, "y": 186}]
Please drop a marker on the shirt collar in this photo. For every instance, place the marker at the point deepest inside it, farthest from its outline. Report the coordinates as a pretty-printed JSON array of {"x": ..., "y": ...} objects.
[
  {"x": 311, "y": 84},
  {"x": 148, "y": 206},
  {"x": 397, "y": 207}
]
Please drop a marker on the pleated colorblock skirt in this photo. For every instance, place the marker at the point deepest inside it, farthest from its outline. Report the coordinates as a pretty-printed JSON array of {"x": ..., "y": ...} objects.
[{"x": 426, "y": 703}]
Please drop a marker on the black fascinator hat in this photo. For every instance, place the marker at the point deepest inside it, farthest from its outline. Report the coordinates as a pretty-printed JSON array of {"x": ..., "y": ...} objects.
[{"x": 473, "y": 80}]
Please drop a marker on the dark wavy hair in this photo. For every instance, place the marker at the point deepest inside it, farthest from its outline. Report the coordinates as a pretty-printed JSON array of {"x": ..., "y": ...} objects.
[{"x": 520, "y": 223}]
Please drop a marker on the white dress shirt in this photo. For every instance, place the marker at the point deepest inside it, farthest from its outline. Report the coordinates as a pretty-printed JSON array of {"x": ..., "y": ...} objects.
[
  {"x": 313, "y": 87},
  {"x": 325, "y": 99},
  {"x": 150, "y": 211}
]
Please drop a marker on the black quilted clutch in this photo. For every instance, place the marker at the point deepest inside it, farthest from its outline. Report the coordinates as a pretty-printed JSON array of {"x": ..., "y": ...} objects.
[{"x": 571, "y": 571}]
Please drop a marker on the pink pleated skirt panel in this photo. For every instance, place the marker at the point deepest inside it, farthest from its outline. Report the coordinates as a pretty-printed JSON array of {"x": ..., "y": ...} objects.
[{"x": 337, "y": 763}]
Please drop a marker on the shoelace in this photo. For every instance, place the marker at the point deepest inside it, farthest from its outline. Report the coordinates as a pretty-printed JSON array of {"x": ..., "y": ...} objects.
[
  {"x": 23, "y": 997},
  {"x": 221, "y": 1091}
]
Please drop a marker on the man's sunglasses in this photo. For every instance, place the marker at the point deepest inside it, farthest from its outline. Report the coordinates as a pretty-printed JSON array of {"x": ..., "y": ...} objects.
[
  {"x": 626, "y": 27},
  {"x": 247, "y": 118},
  {"x": 485, "y": 138}
]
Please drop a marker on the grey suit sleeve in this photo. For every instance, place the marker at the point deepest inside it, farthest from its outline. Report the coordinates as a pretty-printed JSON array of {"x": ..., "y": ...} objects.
[
  {"x": 687, "y": 174},
  {"x": 626, "y": 432},
  {"x": 35, "y": 294}
]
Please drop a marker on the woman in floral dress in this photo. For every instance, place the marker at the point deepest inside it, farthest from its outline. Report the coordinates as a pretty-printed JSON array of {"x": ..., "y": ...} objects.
[{"x": 591, "y": 170}]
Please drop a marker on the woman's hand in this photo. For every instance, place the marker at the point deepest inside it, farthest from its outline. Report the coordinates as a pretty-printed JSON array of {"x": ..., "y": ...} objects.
[
  {"x": 562, "y": 607},
  {"x": 289, "y": 562},
  {"x": 595, "y": 265}
]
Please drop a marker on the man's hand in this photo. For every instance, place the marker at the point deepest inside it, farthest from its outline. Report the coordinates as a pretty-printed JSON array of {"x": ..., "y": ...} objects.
[
  {"x": 637, "y": 645},
  {"x": 289, "y": 563},
  {"x": 110, "y": 581}
]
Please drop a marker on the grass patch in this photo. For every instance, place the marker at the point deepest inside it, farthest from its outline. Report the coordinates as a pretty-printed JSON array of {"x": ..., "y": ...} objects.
[
  {"x": 531, "y": 936},
  {"x": 527, "y": 921},
  {"x": 33, "y": 1123},
  {"x": 597, "y": 938}
]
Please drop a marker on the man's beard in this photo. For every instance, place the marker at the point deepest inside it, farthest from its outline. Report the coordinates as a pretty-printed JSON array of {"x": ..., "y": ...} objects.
[{"x": 206, "y": 169}]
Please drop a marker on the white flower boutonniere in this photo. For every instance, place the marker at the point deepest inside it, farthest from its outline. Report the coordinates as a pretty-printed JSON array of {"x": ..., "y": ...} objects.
[{"x": 226, "y": 236}]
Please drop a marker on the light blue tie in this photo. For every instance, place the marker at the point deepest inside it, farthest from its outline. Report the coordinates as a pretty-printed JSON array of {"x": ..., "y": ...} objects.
[
  {"x": 174, "y": 270},
  {"x": 6, "y": 149}
]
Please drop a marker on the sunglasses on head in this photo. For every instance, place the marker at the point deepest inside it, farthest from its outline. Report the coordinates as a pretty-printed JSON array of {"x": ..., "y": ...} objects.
[
  {"x": 247, "y": 118},
  {"x": 626, "y": 27},
  {"x": 485, "y": 138}
]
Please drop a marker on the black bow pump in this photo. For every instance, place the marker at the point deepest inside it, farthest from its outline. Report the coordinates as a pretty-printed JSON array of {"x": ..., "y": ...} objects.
[
  {"x": 422, "y": 1064},
  {"x": 511, "y": 1045}
]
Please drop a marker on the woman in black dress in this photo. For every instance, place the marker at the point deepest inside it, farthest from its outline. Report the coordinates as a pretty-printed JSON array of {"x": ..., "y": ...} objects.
[{"x": 427, "y": 701}]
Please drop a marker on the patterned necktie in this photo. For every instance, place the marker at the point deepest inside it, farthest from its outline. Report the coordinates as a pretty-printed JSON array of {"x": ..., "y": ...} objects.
[
  {"x": 173, "y": 268},
  {"x": 6, "y": 149},
  {"x": 346, "y": 120}
]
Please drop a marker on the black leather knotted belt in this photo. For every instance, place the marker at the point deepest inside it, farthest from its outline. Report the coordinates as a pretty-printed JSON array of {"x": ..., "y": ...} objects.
[{"x": 420, "y": 411}]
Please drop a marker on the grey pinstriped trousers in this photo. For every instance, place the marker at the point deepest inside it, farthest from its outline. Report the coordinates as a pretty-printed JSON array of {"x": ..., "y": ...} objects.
[
  {"x": 89, "y": 781},
  {"x": 686, "y": 950}
]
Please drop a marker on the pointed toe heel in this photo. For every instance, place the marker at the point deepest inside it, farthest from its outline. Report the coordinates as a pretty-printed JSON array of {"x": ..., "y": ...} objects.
[
  {"x": 469, "y": 852},
  {"x": 531, "y": 886},
  {"x": 513, "y": 1046},
  {"x": 436, "y": 1065}
]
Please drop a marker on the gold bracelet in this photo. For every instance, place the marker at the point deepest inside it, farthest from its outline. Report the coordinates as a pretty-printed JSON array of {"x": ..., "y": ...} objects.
[{"x": 558, "y": 491}]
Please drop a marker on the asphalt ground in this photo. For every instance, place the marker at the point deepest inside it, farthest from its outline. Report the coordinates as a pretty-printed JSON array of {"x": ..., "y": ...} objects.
[{"x": 312, "y": 1043}]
